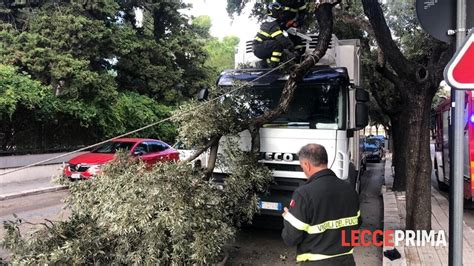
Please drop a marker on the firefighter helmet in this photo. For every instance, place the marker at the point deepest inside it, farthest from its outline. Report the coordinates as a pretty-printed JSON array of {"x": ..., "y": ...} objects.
[{"x": 275, "y": 10}]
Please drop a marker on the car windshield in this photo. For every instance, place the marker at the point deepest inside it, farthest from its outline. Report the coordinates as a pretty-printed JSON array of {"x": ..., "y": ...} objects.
[
  {"x": 370, "y": 147},
  {"x": 313, "y": 106},
  {"x": 374, "y": 141},
  {"x": 114, "y": 146}
]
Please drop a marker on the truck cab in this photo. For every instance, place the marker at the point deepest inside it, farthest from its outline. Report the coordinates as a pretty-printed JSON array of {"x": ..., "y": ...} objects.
[{"x": 328, "y": 109}]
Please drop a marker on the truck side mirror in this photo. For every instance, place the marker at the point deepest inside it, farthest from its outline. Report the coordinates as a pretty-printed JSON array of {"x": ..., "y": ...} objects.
[
  {"x": 361, "y": 95},
  {"x": 362, "y": 115},
  {"x": 203, "y": 94}
]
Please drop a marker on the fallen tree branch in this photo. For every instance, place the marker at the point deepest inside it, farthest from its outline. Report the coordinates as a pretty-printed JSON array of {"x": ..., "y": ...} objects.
[
  {"x": 324, "y": 18},
  {"x": 196, "y": 154}
]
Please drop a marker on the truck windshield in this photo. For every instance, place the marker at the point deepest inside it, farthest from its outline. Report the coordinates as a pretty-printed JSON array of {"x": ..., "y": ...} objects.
[{"x": 316, "y": 106}]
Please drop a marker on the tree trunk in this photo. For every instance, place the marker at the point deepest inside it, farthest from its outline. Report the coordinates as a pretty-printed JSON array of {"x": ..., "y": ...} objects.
[
  {"x": 324, "y": 17},
  {"x": 398, "y": 151},
  {"x": 416, "y": 157},
  {"x": 211, "y": 161}
]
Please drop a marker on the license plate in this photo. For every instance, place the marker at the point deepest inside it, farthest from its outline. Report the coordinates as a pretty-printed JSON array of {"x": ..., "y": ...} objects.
[
  {"x": 76, "y": 176},
  {"x": 266, "y": 205}
]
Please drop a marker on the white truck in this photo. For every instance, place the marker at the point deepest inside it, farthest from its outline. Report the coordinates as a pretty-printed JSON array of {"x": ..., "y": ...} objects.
[{"x": 328, "y": 108}]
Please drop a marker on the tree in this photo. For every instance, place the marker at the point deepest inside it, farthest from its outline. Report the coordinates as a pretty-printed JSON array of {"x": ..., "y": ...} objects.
[
  {"x": 209, "y": 139},
  {"x": 414, "y": 75},
  {"x": 109, "y": 72},
  {"x": 132, "y": 214},
  {"x": 221, "y": 53},
  {"x": 413, "y": 63}
]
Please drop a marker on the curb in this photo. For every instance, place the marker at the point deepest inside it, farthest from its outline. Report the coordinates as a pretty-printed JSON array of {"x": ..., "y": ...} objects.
[
  {"x": 391, "y": 217},
  {"x": 31, "y": 192}
]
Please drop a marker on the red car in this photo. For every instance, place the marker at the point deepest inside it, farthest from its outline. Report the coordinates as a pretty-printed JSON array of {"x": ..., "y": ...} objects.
[{"x": 151, "y": 151}]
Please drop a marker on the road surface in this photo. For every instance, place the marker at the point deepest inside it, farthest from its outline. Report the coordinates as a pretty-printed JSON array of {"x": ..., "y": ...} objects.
[
  {"x": 255, "y": 246},
  {"x": 34, "y": 209}
]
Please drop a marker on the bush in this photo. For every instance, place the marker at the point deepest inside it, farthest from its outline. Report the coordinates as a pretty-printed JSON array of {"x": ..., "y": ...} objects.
[{"x": 134, "y": 215}]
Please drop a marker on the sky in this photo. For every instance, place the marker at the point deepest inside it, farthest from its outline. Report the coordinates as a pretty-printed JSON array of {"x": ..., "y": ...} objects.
[{"x": 222, "y": 25}]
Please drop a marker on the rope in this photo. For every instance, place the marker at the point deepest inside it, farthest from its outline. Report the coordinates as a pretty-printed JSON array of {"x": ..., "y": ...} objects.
[{"x": 150, "y": 125}]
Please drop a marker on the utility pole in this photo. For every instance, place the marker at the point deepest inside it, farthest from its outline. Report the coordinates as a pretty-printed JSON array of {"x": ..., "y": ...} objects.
[{"x": 457, "y": 151}]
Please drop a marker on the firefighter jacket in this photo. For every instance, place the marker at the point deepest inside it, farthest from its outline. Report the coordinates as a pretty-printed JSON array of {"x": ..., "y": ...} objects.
[
  {"x": 293, "y": 5},
  {"x": 295, "y": 8},
  {"x": 271, "y": 31},
  {"x": 320, "y": 213}
]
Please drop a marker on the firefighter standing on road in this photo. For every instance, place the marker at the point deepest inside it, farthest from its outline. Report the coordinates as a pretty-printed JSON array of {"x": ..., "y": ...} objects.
[
  {"x": 270, "y": 42},
  {"x": 319, "y": 211}
]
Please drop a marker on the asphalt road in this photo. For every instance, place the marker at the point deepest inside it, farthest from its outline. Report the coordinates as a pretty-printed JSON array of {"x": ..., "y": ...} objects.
[
  {"x": 255, "y": 246},
  {"x": 33, "y": 209}
]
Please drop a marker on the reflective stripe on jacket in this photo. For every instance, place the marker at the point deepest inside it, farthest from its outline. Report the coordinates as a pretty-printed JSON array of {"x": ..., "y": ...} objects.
[
  {"x": 318, "y": 213},
  {"x": 292, "y": 5},
  {"x": 270, "y": 30}
]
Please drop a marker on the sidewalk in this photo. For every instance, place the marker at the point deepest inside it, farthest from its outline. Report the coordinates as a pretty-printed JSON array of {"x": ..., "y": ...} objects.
[
  {"x": 394, "y": 219},
  {"x": 10, "y": 190}
]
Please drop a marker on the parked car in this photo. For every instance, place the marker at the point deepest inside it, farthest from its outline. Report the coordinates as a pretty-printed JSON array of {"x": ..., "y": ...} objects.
[
  {"x": 373, "y": 150},
  {"x": 151, "y": 151},
  {"x": 186, "y": 152}
]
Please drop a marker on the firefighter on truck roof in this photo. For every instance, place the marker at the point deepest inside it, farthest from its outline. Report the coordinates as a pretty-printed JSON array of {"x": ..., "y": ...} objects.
[
  {"x": 270, "y": 42},
  {"x": 319, "y": 212}
]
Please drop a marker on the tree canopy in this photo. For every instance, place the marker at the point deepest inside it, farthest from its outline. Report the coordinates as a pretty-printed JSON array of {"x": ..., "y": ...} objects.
[{"x": 107, "y": 71}]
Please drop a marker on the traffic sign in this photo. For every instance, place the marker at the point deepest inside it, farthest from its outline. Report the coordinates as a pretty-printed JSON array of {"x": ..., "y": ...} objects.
[
  {"x": 459, "y": 73},
  {"x": 438, "y": 16}
]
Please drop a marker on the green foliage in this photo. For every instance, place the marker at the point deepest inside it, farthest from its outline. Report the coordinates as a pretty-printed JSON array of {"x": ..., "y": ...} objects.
[
  {"x": 132, "y": 110},
  {"x": 105, "y": 73},
  {"x": 202, "y": 25},
  {"x": 241, "y": 197},
  {"x": 414, "y": 42},
  {"x": 19, "y": 91},
  {"x": 217, "y": 117},
  {"x": 134, "y": 215},
  {"x": 221, "y": 53}
]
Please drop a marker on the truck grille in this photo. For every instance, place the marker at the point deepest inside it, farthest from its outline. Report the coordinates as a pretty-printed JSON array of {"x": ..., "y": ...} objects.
[{"x": 284, "y": 167}]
